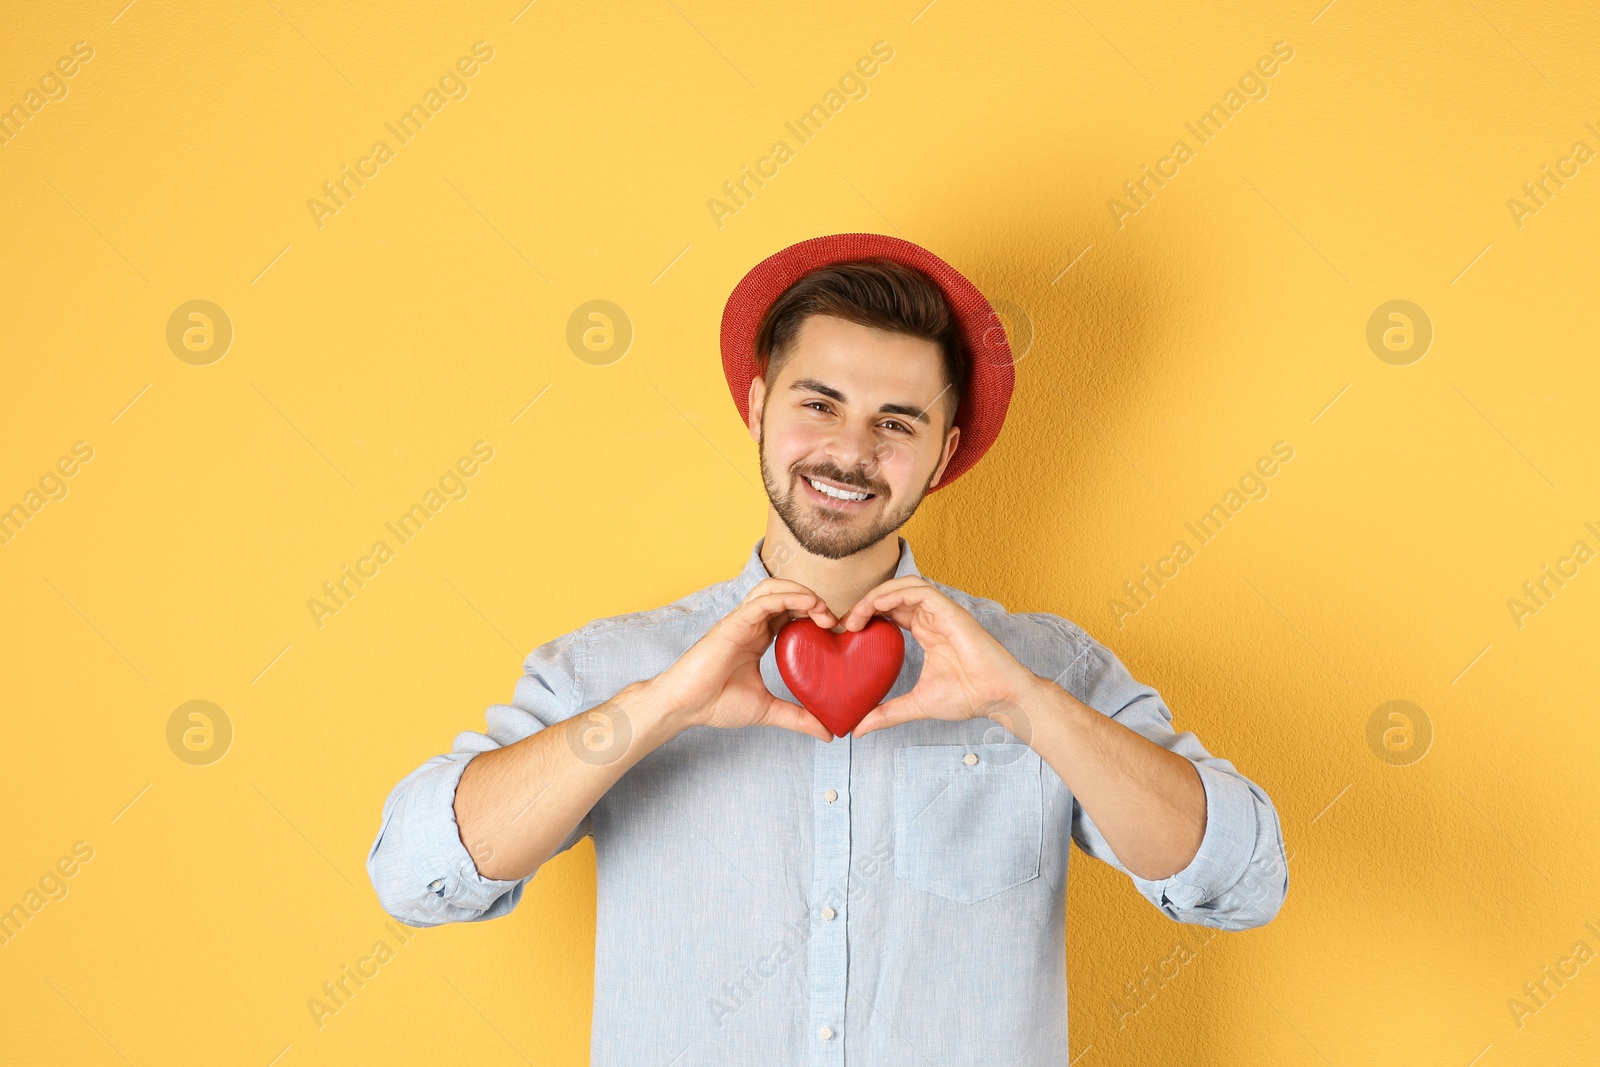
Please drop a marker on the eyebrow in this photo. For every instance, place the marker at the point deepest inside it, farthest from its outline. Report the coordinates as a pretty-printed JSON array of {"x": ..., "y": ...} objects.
[{"x": 815, "y": 385}]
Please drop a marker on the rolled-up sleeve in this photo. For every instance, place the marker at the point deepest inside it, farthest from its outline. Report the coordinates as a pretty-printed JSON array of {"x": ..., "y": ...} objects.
[
  {"x": 1239, "y": 878},
  {"x": 421, "y": 870}
]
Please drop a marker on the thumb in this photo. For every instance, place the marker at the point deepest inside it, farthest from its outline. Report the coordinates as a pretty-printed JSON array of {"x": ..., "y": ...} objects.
[
  {"x": 792, "y": 716},
  {"x": 889, "y": 713}
]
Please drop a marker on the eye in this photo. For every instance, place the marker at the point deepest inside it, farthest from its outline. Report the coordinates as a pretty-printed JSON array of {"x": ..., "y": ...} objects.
[{"x": 822, "y": 406}]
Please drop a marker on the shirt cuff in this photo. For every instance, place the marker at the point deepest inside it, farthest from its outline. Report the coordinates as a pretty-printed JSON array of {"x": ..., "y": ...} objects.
[
  {"x": 443, "y": 866},
  {"x": 1226, "y": 848}
]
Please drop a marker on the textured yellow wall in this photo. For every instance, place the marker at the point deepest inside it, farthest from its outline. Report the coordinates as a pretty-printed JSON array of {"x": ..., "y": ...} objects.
[{"x": 1440, "y": 861}]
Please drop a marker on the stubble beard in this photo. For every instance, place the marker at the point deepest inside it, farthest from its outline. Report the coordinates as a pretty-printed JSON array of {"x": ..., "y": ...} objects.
[{"x": 835, "y": 536}]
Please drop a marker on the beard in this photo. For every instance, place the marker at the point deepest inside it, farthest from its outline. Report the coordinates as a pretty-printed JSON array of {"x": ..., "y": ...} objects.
[{"x": 833, "y": 534}]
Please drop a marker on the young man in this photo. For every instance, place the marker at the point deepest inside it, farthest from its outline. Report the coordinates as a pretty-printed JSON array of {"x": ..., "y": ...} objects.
[{"x": 769, "y": 893}]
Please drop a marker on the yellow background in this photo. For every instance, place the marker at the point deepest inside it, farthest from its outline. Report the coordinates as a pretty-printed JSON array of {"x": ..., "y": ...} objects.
[{"x": 369, "y": 353}]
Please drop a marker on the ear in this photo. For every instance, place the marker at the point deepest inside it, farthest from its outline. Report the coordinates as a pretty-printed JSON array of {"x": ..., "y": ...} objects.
[
  {"x": 949, "y": 450},
  {"x": 757, "y": 401}
]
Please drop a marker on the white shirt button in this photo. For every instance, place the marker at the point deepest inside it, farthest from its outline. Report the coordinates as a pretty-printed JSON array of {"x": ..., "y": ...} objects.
[
  {"x": 831, "y": 795},
  {"x": 970, "y": 758},
  {"x": 825, "y": 1033},
  {"x": 828, "y": 913}
]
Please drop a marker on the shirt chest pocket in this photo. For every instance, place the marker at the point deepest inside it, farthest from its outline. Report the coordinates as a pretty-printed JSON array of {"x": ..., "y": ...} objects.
[{"x": 967, "y": 818}]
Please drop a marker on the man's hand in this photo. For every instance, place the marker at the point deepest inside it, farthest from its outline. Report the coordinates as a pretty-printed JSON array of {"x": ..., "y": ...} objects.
[
  {"x": 965, "y": 672},
  {"x": 717, "y": 682}
]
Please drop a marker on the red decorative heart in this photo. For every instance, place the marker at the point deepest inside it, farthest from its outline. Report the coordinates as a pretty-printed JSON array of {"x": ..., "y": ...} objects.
[{"x": 839, "y": 677}]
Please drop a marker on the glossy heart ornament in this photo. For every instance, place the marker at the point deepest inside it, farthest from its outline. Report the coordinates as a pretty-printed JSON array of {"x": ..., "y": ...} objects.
[{"x": 839, "y": 677}]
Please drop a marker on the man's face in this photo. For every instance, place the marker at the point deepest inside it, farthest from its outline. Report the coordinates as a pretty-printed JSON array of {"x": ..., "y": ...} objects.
[{"x": 862, "y": 410}]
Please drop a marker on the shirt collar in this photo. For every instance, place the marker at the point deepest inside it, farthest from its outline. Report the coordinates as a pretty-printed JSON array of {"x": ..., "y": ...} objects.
[{"x": 755, "y": 571}]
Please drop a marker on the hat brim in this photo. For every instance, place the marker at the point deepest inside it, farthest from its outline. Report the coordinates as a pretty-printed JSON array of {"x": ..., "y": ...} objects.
[{"x": 991, "y": 375}]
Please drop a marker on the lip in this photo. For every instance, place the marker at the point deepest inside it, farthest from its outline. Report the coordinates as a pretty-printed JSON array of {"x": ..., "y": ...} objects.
[{"x": 838, "y": 505}]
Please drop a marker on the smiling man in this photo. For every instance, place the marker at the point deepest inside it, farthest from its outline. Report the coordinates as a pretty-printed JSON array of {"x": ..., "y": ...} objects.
[{"x": 767, "y": 892}]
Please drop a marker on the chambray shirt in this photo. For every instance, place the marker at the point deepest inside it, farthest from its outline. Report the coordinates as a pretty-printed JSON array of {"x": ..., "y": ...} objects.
[{"x": 764, "y": 897}]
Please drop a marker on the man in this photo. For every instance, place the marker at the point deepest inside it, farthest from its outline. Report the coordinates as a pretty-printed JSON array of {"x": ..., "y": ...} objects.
[{"x": 769, "y": 893}]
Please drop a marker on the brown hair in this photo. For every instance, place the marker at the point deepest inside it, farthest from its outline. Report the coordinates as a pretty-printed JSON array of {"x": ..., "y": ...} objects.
[{"x": 873, "y": 292}]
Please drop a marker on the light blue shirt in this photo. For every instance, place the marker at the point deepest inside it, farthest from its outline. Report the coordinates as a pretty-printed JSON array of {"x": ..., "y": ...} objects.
[{"x": 764, "y": 897}]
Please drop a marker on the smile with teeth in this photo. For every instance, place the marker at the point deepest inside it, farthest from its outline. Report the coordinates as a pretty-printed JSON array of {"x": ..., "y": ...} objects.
[{"x": 837, "y": 494}]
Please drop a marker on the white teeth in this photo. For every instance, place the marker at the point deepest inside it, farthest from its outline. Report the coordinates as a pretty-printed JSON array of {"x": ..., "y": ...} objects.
[{"x": 838, "y": 494}]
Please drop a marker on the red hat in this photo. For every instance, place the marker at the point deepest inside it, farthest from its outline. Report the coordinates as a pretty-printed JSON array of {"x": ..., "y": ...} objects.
[{"x": 987, "y": 394}]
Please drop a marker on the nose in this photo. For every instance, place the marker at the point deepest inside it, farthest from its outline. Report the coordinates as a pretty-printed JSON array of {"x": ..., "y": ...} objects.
[{"x": 853, "y": 448}]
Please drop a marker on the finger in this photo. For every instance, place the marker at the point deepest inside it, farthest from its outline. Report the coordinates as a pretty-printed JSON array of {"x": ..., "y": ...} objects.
[
  {"x": 758, "y": 622},
  {"x": 863, "y": 607},
  {"x": 906, "y": 616},
  {"x": 891, "y": 601},
  {"x": 775, "y": 585},
  {"x": 792, "y": 716},
  {"x": 890, "y": 713},
  {"x": 819, "y": 614},
  {"x": 911, "y": 594},
  {"x": 857, "y": 618},
  {"x": 861, "y": 614},
  {"x": 902, "y": 582},
  {"x": 761, "y": 609},
  {"x": 814, "y": 605}
]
